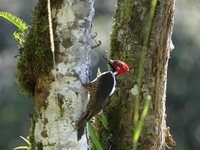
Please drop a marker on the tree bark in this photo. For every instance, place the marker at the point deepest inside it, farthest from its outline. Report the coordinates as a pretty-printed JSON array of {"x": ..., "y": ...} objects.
[
  {"x": 127, "y": 44},
  {"x": 59, "y": 98}
]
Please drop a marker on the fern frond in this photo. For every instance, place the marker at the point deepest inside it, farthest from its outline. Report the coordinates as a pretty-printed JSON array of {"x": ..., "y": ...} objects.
[
  {"x": 18, "y": 35},
  {"x": 22, "y": 26},
  {"x": 15, "y": 20}
]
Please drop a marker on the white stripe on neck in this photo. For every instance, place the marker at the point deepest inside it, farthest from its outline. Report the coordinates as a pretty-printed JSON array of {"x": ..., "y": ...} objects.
[{"x": 115, "y": 73}]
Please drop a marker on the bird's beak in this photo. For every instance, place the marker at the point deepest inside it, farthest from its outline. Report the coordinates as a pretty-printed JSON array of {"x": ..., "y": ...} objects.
[{"x": 109, "y": 61}]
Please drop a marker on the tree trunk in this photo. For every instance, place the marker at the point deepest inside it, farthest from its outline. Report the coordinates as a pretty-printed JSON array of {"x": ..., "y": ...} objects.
[
  {"x": 131, "y": 22},
  {"x": 59, "y": 98}
]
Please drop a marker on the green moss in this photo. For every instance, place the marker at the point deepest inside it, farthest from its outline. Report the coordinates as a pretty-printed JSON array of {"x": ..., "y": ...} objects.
[
  {"x": 39, "y": 146},
  {"x": 36, "y": 58},
  {"x": 56, "y": 3},
  {"x": 44, "y": 133},
  {"x": 114, "y": 43},
  {"x": 51, "y": 144},
  {"x": 124, "y": 15},
  {"x": 45, "y": 121},
  {"x": 126, "y": 11}
]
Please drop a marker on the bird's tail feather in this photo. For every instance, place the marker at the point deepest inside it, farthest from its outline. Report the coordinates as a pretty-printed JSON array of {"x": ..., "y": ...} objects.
[{"x": 80, "y": 125}]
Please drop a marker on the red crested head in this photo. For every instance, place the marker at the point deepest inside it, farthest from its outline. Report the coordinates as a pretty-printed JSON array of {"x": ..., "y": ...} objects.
[{"x": 119, "y": 66}]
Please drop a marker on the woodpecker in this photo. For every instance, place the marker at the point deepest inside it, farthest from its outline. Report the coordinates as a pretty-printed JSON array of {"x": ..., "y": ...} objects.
[{"x": 100, "y": 89}]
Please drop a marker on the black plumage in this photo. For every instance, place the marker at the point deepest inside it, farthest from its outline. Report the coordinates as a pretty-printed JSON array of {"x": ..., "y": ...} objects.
[{"x": 99, "y": 89}]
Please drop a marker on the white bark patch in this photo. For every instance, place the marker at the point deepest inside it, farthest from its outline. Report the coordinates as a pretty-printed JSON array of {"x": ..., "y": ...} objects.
[
  {"x": 120, "y": 35},
  {"x": 134, "y": 90},
  {"x": 171, "y": 45},
  {"x": 128, "y": 47},
  {"x": 55, "y": 128},
  {"x": 145, "y": 90},
  {"x": 65, "y": 15}
]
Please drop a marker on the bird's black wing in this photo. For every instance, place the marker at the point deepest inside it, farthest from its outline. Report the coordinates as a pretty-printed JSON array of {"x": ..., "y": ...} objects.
[{"x": 99, "y": 90}]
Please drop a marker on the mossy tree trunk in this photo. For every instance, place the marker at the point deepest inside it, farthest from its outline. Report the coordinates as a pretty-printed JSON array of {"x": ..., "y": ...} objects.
[
  {"x": 59, "y": 98},
  {"x": 128, "y": 37}
]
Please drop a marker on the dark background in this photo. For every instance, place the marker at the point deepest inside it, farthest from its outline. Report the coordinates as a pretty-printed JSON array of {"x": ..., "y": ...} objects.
[{"x": 183, "y": 95}]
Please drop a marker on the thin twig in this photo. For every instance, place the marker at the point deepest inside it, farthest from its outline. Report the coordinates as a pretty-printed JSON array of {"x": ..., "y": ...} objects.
[{"x": 51, "y": 33}]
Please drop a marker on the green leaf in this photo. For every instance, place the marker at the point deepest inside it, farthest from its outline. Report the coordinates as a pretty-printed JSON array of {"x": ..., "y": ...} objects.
[
  {"x": 15, "y": 20},
  {"x": 21, "y": 147},
  {"x": 139, "y": 126},
  {"x": 18, "y": 35},
  {"x": 94, "y": 137},
  {"x": 26, "y": 140}
]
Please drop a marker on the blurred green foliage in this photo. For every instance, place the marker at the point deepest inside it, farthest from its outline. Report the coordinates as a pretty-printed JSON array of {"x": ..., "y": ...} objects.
[{"x": 14, "y": 120}]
